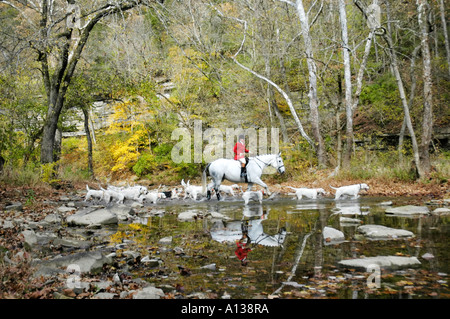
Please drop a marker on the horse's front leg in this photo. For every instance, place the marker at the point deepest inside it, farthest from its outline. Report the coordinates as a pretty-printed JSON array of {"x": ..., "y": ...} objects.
[
  {"x": 262, "y": 184},
  {"x": 217, "y": 183},
  {"x": 208, "y": 190},
  {"x": 249, "y": 187},
  {"x": 217, "y": 192}
]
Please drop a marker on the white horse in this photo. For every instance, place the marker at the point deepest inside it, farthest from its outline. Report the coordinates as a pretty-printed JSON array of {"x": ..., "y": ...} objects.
[{"x": 229, "y": 169}]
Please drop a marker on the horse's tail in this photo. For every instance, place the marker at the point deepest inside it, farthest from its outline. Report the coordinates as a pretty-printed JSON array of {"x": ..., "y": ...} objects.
[{"x": 204, "y": 179}]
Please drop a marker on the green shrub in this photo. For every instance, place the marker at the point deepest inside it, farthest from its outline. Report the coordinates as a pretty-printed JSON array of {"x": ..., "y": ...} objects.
[{"x": 145, "y": 165}]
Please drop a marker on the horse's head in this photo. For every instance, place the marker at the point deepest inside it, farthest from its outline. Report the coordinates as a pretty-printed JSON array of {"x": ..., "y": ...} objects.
[{"x": 279, "y": 164}]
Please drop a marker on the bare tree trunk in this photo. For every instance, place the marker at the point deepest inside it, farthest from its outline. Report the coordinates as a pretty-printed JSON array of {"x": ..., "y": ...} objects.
[
  {"x": 427, "y": 122},
  {"x": 313, "y": 98},
  {"x": 410, "y": 103},
  {"x": 401, "y": 90},
  {"x": 338, "y": 125},
  {"x": 444, "y": 26},
  {"x": 339, "y": 141},
  {"x": 348, "y": 86},
  {"x": 351, "y": 103},
  {"x": 57, "y": 145},
  {"x": 362, "y": 68},
  {"x": 89, "y": 142}
]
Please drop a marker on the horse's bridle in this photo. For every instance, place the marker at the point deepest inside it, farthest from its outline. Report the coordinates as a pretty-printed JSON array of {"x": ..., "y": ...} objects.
[{"x": 268, "y": 164}]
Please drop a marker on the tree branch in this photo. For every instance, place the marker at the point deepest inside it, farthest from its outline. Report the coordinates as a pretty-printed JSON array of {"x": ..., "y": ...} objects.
[
  {"x": 288, "y": 2},
  {"x": 317, "y": 15},
  {"x": 22, "y": 12},
  {"x": 106, "y": 10},
  {"x": 278, "y": 88}
]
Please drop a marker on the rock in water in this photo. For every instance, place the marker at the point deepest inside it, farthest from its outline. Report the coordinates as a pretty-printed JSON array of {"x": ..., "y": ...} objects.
[
  {"x": 332, "y": 235},
  {"x": 427, "y": 256},
  {"x": 187, "y": 216},
  {"x": 443, "y": 211},
  {"x": 87, "y": 217},
  {"x": 391, "y": 262},
  {"x": 383, "y": 232},
  {"x": 408, "y": 210}
]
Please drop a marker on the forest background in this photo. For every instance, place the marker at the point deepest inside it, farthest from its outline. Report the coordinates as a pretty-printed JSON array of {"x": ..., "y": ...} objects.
[{"x": 357, "y": 93}]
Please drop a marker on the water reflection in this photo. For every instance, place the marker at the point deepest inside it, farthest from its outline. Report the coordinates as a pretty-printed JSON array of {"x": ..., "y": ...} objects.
[
  {"x": 310, "y": 206},
  {"x": 251, "y": 225},
  {"x": 305, "y": 265},
  {"x": 351, "y": 207}
]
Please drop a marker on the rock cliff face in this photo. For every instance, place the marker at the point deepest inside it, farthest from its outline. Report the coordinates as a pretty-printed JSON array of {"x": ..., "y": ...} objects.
[{"x": 100, "y": 115}]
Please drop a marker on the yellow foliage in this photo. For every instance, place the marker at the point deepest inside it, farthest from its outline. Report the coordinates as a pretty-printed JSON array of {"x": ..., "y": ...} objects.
[
  {"x": 129, "y": 117},
  {"x": 48, "y": 172},
  {"x": 137, "y": 227},
  {"x": 126, "y": 153},
  {"x": 118, "y": 237}
]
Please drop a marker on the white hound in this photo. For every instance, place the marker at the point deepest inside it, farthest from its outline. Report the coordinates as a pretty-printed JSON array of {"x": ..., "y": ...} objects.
[
  {"x": 351, "y": 190},
  {"x": 308, "y": 192}
]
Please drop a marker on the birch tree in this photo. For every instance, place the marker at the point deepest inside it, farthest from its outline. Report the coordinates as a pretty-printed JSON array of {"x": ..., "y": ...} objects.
[
  {"x": 444, "y": 27},
  {"x": 427, "y": 121},
  {"x": 352, "y": 101},
  {"x": 312, "y": 72},
  {"x": 348, "y": 84}
]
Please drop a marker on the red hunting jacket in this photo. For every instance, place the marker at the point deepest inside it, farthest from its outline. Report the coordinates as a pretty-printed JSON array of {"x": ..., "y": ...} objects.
[
  {"x": 241, "y": 251},
  {"x": 239, "y": 151}
]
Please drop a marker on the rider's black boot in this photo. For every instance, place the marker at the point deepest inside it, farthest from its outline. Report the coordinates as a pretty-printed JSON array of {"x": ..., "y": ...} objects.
[{"x": 243, "y": 172}]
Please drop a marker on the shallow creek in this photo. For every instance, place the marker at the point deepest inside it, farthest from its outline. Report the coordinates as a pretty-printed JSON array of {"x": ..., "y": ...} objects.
[{"x": 291, "y": 254}]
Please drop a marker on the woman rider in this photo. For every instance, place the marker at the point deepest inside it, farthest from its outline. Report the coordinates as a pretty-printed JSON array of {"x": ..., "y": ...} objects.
[{"x": 239, "y": 151}]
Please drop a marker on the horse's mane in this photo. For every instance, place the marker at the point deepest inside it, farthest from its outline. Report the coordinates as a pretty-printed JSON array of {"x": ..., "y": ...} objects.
[{"x": 264, "y": 155}]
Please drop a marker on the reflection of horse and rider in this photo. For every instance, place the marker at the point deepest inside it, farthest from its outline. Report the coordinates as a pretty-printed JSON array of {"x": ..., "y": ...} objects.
[
  {"x": 247, "y": 233},
  {"x": 243, "y": 232},
  {"x": 242, "y": 250}
]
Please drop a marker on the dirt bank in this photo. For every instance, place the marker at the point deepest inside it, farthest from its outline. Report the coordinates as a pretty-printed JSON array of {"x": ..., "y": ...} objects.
[{"x": 380, "y": 187}]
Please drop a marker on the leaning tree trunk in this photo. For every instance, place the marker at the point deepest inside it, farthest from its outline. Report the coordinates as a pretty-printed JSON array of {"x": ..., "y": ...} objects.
[
  {"x": 412, "y": 93},
  {"x": 401, "y": 89},
  {"x": 405, "y": 105},
  {"x": 444, "y": 26}
]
